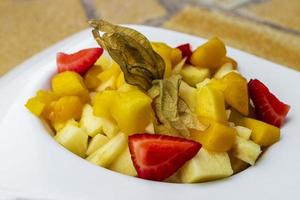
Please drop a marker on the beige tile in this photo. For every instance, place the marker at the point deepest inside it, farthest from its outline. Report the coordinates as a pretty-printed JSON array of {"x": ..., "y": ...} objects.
[
  {"x": 284, "y": 13},
  {"x": 240, "y": 33},
  {"x": 129, "y": 11},
  {"x": 29, "y": 26}
]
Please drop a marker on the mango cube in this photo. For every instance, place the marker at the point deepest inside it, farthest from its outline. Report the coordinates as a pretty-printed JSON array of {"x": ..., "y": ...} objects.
[
  {"x": 103, "y": 102},
  {"x": 132, "y": 111},
  {"x": 217, "y": 137},
  {"x": 193, "y": 75},
  {"x": 176, "y": 56},
  {"x": 90, "y": 78},
  {"x": 165, "y": 52},
  {"x": 73, "y": 138},
  {"x": 96, "y": 142},
  {"x": 210, "y": 104},
  {"x": 69, "y": 84},
  {"x": 35, "y": 106},
  {"x": 210, "y": 54}
]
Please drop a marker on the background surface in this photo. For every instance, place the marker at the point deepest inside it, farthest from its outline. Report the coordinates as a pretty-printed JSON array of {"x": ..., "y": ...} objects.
[{"x": 266, "y": 28}]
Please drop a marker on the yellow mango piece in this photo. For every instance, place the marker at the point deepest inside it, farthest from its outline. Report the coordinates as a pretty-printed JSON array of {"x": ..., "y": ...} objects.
[
  {"x": 103, "y": 102},
  {"x": 35, "y": 106},
  {"x": 104, "y": 62},
  {"x": 217, "y": 137},
  {"x": 210, "y": 104},
  {"x": 120, "y": 80},
  {"x": 209, "y": 54},
  {"x": 96, "y": 142},
  {"x": 123, "y": 164},
  {"x": 110, "y": 84},
  {"x": 193, "y": 75},
  {"x": 90, "y": 78},
  {"x": 132, "y": 111},
  {"x": 165, "y": 52},
  {"x": 227, "y": 59},
  {"x": 73, "y": 138},
  {"x": 66, "y": 108},
  {"x": 176, "y": 56},
  {"x": 69, "y": 84},
  {"x": 236, "y": 92}
]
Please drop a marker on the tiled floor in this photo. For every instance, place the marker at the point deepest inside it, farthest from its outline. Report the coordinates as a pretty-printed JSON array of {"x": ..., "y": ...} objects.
[{"x": 267, "y": 28}]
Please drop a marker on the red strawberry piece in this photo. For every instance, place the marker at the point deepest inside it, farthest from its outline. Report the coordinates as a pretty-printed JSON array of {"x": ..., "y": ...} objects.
[
  {"x": 156, "y": 157},
  {"x": 268, "y": 108},
  {"x": 79, "y": 62},
  {"x": 186, "y": 50}
]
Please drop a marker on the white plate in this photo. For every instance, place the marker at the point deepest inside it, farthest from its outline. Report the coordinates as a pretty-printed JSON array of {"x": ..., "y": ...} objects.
[{"x": 34, "y": 165}]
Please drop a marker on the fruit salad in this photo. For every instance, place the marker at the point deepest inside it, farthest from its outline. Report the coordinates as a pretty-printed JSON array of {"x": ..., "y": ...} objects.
[{"x": 157, "y": 112}]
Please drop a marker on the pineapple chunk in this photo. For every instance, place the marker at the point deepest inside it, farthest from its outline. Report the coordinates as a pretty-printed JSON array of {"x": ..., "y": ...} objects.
[
  {"x": 193, "y": 75},
  {"x": 210, "y": 104},
  {"x": 150, "y": 128},
  {"x": 237, "y": 164},
  {"x": 120, "y": 80},
  {"x": 90, "y": 78},
  {"x": 110, "y": 128},
  {"x": 132, "y": 111},
  {"x": 246, "y": 150},
  {"x": 89, "y": 122},
  {"x": 103, "y": 102},
  {"x": 123, "y": 164},
  {"x": 104, "y": 62},
  {"x": 217, "y": 137},
  {"x": 97, "y": 141},
  {"x": 69, "y": 84},
  {"x": 243, "y": 132},
  {"x": 106, "y": 154},
  {"x": 188, "y": 94},
  {"x": 206, "y": 166},
  {"x": 73, "y": 138},
  {"x": 109, "y": 84},
  {"x": 209, "y": 54},
  {"x": 223, "y": 70},
  {"x": 203, "y": 83},
  {"x": 177, "y": 68}
]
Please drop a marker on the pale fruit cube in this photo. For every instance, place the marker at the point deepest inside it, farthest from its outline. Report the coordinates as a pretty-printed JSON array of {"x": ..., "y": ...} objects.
[
  {"x": 150, "y": 128},
  {"x": 224, "y": 69},
  {"x": 193, "y": 75},
  {"x": 96, "y": 142},
  {"x": 246, "y": 150},
  {"x": 106, "y": 154},
  {"x": 177, "y": 68},
  {"x": 89, "y": 122},
  {"x": 109, "y": 84},
  {"x": 73, "y": 138},
  {"x": 243, "y": 132},
  {"x": 237, "y": 164},
  {"x": 123, "y": 164},
  {"x": 104, "y": 62},
  {"x": 175, "y": 178},
  {"x": 110, "y": 128},
  {"x": 206, "y": 166},
  {"x": 210, "y": 104},
  {"x": 203, "y": 83},
  {"x": 188, "y": 94}
]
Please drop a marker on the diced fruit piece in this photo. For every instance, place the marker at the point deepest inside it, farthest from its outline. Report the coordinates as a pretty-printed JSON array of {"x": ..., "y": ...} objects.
[
  {"x": 268, "y": 108},
  {"x": 123, "y": 164},
  {"x": 106, "y": 154},
  {"x": 120, "y": 80},
  {"x": 243, "y": 132},
  {"x": 35, "y": 106},
  {"x": 223, "y": 70},
  {"x": 193, "y": 75},
  {"x": 89, "y": 122},
  {"x": 176, "y": 56},
  {"x": 175, "y": 178},
  {"x": 227, "y": 59},
  {"x": 110, "y": 128},
  {"x": 110, "y": 84},
  {"x": 156, "y": 157},
  {"x": 216, "y": 84},
  {"x": 246, "y": 150},
  {"x": 237, "y": 164},
  {"x": 217, "y": 137},
  {"x": 73, "y": 138},
  {"x": 203, "y": 83},
  {"x": 96, "y": 142},
  {"x": 150, "y": 128},
  {"x": 103, "y": 103},
  {"x": 69, "y": 84},
  {"x": 113, "y": 71},
  {"x": 127, "y": 87},
  {"x": 209, "y": 54},
  {"x": 186, "y": 50},
  {"x": 236, "y": 92},
  {"x": 66, "y": 108},
  {"x": 79, "y": 62},
  {"x": 206, "y": 166},
  {"x": 210, "y": 104},
  {"x": 165, "y": 52},
  {"x": 132, "y": 111},
  {"x": 178, "y": 67},
  {"x": 104, "y": 62},
  {"x": 188, "y": 94},
  {"x": 90, "y": 78}
]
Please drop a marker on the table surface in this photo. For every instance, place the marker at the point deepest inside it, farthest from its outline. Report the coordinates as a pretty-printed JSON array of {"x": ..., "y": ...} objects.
[{"x": 266, "y": 28}]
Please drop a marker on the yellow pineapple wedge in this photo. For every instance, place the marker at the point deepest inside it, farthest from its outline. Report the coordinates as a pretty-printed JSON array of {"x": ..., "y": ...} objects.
[
  {"x": 210, "y": 104},
  {"x": 206, "y": 166},
  {"x": 96, "y": 142},
  {"x": 246, "y": 150},
  {"x": 223, "y": 70},
  {"x": 89, "y": 122},
  {"x": 106, "y": 154},
  {"x": 243, "y": 132},
  {"x": 73, "y": 138},
  {"x": 123, "y": 164},
  {"x": 188, "y": 94},
  {"x": 193, "y": 75},
  {"x": 237, "y": 164}
]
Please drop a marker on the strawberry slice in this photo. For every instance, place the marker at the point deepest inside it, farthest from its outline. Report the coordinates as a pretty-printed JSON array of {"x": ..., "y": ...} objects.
[
  {"x": 156, "y": 157},
  {"x": 268, "y": 108},
  {"x": 79, "y": 62},
  {"x": 186, "y": 50}
]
